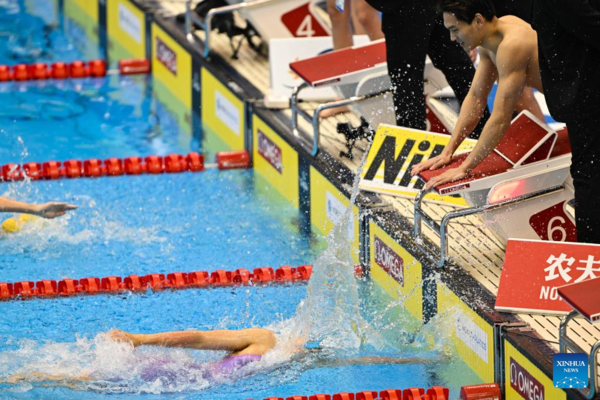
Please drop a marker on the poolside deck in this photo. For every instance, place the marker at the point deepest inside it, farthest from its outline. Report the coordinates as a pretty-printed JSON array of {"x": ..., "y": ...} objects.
[{"x": 472, "y": 247}]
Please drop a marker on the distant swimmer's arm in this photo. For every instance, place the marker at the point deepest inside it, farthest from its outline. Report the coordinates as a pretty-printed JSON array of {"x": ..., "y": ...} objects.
[
  {"x": 46, "y": 210},
  {"x": 512, "y": 64},
  {"x": 470, "y": 113}
]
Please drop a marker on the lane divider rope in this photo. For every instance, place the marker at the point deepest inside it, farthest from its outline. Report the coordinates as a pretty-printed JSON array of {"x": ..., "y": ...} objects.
[
  {"x": 134, "y": 165},
  {"x": 75, "y": 69},
  {"x": 135, "y": 283},
  {"x": 434, "y": 393}
]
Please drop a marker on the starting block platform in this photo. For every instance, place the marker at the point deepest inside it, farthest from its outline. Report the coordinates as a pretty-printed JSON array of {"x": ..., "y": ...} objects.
[
  {"x": 583, "y": 298},
  {"x": 520, "y": 190},
  {"x": 343, "y": 67}
]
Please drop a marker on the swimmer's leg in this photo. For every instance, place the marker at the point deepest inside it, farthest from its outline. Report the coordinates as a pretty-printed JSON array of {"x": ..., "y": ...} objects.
[{"x": 254, "y": 341}]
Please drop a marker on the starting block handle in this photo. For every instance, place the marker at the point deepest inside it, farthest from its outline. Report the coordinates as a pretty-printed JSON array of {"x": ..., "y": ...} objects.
[
  {"x": 207, "y": 24},
  {"x": 295, "y": 106},
  {"x": 442, "y": 228},
  {"x": 315, "y": 119}
]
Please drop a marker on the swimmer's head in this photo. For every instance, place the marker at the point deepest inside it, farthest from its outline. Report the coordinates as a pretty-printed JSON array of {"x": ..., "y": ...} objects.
[{"x": 466, "y": 19}]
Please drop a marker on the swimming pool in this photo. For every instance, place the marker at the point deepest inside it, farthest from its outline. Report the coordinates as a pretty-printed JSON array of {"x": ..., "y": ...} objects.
[{"x": 164, "y": 223}]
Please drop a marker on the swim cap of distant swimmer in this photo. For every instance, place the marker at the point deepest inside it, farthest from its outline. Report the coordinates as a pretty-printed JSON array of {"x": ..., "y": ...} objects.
[{"x": 12, "y": 225}]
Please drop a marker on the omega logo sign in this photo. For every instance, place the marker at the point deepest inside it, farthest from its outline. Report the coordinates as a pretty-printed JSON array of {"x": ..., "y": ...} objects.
[
  {"x": 524, "y": 383},
  {"x": 166, "y": 56},
  {"x": 270, "y": 151},
  {"x": 391, "y": 262}
]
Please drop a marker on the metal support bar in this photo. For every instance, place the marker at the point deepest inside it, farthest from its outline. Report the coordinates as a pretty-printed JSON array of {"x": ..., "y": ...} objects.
[
  {"x": 315, "y": 119},
  {"x": 567, "y": 344},
  {"x": 191, "y": 16},
  {"x": 442, "y": 228},
  {"x": 500, "y": 331}
]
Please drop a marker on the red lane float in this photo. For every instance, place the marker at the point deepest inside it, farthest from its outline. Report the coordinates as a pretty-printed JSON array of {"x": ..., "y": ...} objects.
[
  {"x": 154, "y": 165},
  {"x": 174, "y": 280},
  {"x": 11, "y": 172},
  {"x": 133, "y": 165},
  {"x": 97, "y": 68},
  {"x": 486, "y": 391},
  {"x": 51, "y": 170},
  {"x": 366, "y": 395},
  {"x": 33, "y": 170},
  {"x": 59, "y": 70},
  {"x": 46, "y": 288},
  {"x": 68, "y": 287},
  {"x": 133, "y": 283},
  {"x": 391, "y": 394},
  {"x": 5, "y": 73},
  {"x": 233, "y": 159},
  {"x": 20, "y": 72},
  {"x": 76, "y": 69},
  {"x": 130, "y": 67},
  {"x": 198, "y": 279},
  {"x": 93, "y": 168},
  {"x": 343, "y": 396},
  {"x": 39, "y": 71},
  {"x": 436, "y": 392},
  {"x": 413, "y": 393}
]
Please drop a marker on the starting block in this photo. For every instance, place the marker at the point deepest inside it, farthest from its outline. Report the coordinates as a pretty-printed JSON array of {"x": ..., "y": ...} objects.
[
  {"x": 520, "y": 190},
  {"x": 271, "y": 19},
  {"x": 359, "y": 75}
]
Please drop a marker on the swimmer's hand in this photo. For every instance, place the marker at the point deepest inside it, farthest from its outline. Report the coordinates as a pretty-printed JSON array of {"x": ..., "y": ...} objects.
[
  {"x": 453, "y": 174},
  {"x": 431, "y": 164},
  {"x": 126, "y": 337},
  {"x": 52, "y": 209}
]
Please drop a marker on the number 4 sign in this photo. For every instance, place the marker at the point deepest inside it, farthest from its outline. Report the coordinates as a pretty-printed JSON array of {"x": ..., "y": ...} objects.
[{"x": 301, "y": 22}]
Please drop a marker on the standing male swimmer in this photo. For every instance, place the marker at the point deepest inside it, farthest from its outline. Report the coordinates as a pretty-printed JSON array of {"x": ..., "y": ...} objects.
[{"x": 508, "y": 53}]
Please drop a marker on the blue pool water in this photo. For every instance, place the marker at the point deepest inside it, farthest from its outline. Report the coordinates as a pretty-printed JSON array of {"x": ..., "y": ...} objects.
[
  {"x": 165, "y": 223},
  {"x": 182, "y": 222}
]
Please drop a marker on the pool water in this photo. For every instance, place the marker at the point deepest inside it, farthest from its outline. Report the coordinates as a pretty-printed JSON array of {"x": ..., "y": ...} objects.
[{"x": 166, "y": 223}]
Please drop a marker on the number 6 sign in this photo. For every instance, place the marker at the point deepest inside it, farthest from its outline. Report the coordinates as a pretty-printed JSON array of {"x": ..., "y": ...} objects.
[{"x": 554, "y": 224}]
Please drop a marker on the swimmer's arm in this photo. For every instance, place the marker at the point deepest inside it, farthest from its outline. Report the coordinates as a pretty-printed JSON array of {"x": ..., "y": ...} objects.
[
  {"x": 512, "y": 61},
  {"x": 474, "y": 104},
  {"x": 46, "y": 210},
  {"x": 244, "y": 341},
  {"x": 470, "y": 113}
]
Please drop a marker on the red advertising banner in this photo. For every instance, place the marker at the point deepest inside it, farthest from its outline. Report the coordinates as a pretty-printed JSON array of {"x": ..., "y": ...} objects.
[{"x": 534, "y": 269}]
